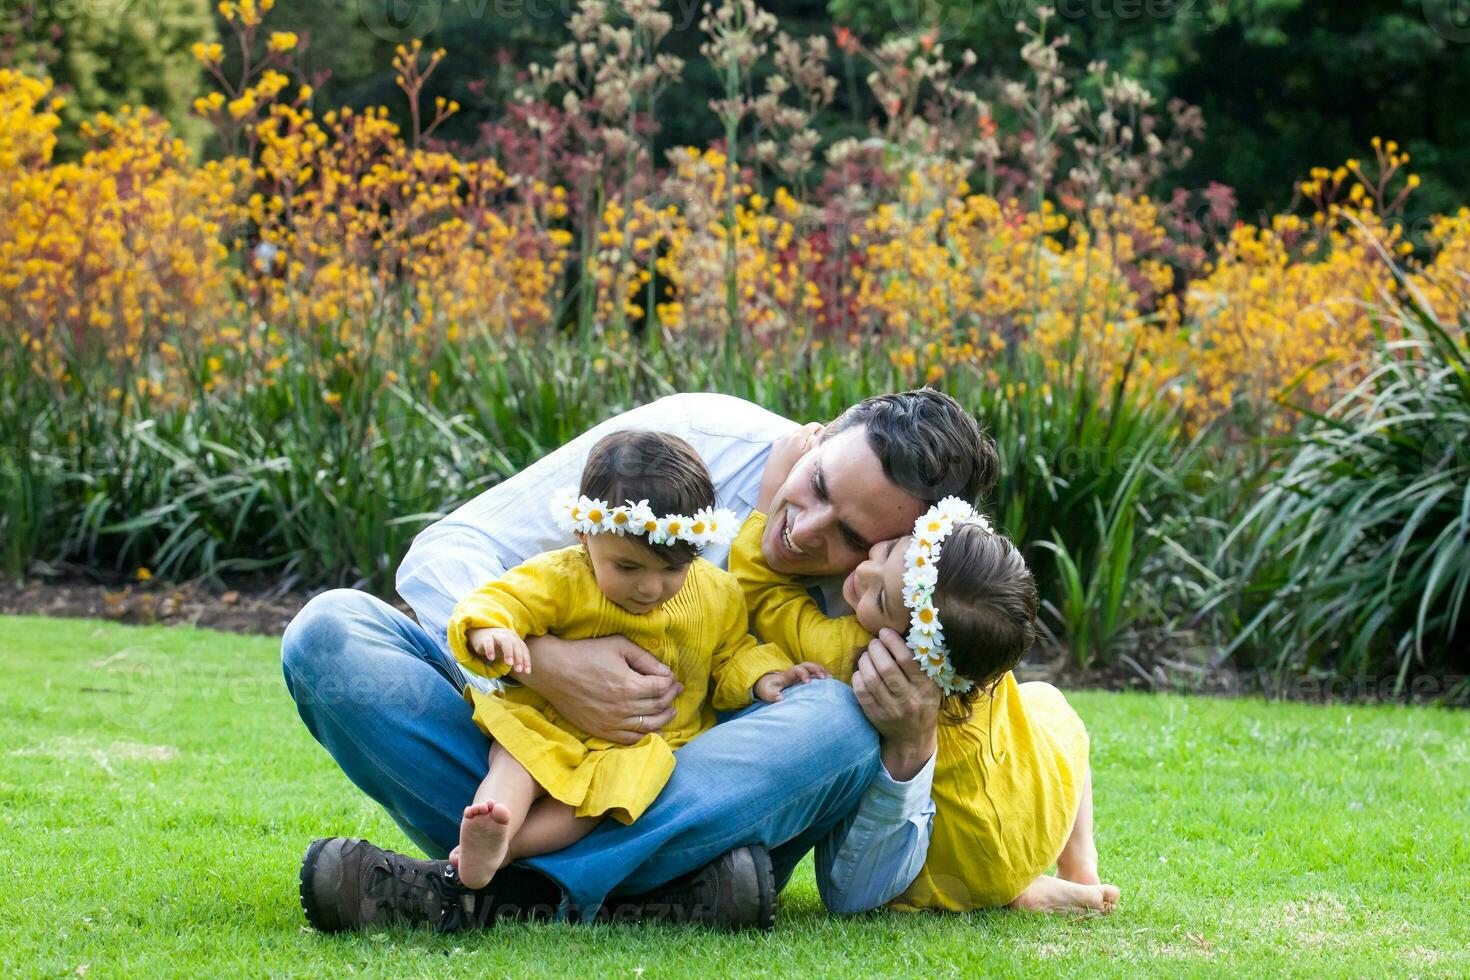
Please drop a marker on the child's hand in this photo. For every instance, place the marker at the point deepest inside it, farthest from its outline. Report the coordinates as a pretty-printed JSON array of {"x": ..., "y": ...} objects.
[
  {"x": 487, "y": 641},
  {"x": 769, "y": 687}
]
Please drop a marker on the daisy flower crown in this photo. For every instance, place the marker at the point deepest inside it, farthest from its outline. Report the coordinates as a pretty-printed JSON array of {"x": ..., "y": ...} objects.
[
  {"x": 577, "y": 513},
  {"x": 926, "y": 634}
]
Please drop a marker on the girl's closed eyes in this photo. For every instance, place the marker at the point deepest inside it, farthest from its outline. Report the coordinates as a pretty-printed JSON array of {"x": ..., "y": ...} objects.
[{"x": 874, "y": 589}]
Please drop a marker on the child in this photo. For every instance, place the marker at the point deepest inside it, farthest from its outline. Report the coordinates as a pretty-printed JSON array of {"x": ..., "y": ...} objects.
[
  {"x": 1012, "y": 789},
  {"x": 637, "y": 573}
]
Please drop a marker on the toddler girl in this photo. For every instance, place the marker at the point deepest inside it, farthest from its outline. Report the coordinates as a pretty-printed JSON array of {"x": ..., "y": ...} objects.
[
  {"x": 637, "y": 573},
  {"x": 1012, "y": 790}
]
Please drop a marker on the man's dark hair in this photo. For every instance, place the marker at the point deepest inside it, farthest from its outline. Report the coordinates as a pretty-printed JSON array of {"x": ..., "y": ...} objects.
[
  {"x": 635, "y": 464},
  {"x": 929, "y": 446}
]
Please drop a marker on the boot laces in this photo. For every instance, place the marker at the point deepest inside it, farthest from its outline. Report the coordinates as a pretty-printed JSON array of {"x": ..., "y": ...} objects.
[{"x": 414, "y": 892}]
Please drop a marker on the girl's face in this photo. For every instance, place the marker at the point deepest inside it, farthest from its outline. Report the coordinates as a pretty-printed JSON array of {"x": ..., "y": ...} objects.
[
  {"x": 631, "y": 575},
  {"x": 875, "y": 587}
]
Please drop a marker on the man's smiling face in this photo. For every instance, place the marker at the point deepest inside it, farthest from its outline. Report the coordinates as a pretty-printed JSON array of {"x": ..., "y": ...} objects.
[{"x": 836, "y": 504}]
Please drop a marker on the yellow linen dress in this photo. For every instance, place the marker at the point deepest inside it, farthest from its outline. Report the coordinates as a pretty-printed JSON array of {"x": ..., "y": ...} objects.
[
  {"x": 1006, "y": 781},
  {"x": 701, "y": 634}
]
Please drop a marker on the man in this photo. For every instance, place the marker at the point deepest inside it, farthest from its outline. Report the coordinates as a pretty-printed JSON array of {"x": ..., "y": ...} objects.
[{"x": 749, "y": 798}]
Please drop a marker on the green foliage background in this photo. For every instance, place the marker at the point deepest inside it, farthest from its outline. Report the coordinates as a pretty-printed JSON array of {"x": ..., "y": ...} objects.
[
  {"x": 105, "y": 54},
  {"x": 1284, "y": 84}
]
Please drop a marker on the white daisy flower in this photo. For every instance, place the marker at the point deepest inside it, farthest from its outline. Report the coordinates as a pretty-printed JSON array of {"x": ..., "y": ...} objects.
[
  {"x": 588, "y": 515},
  {"x": 920, "y": 558},
  {"x": 925, "y": 622},
  {"x": 920, "y": 577},
  {"x": 563, "y": 504},
  {"x": 933, "y": 661},
  {"x": 641, "y": 519},
  {"x": 702, "y": 526},
  {"x": 620, "y": 520},
  {"x": 916, "y": 596},
  {"x": 722, "y": 525},
  {"x": 954, "y": 509},
  {"x": 596, "y": 515},
  {"x": 674, "y": 527},
  {"x": 925, "y": 546},
  {"x": 933, "y": 526}
]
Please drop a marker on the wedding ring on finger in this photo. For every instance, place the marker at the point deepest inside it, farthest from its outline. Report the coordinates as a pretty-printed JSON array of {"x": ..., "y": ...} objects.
[{"x": 640, "y": 723}]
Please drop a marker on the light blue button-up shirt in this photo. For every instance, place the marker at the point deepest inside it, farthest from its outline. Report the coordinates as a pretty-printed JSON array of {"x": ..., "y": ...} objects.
[{"x": 878, "y": 850}]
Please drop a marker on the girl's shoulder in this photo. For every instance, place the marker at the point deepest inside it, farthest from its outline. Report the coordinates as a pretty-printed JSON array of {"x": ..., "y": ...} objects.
[{"x": 571, "y": 560}]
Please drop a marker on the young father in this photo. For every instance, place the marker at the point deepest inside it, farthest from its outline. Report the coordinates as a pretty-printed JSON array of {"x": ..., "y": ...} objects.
[{"x": 749, "y": 798}]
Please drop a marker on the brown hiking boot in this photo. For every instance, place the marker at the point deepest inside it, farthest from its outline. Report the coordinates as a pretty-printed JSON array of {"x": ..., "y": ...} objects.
[
  {"x": 737, "y": 891},
  {"x": 348, "y": 884}
]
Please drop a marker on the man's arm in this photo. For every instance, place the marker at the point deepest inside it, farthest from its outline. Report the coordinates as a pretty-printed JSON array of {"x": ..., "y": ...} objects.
[
  {"x": 877, "y": 852},
  {"x": 870, "y": 859},
  {"x": 609, "y": 686},
  {"x": 900, "y": 701}
]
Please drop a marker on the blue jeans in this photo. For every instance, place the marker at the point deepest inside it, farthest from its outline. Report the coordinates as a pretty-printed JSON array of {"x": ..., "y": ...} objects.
[{"x": 386, "y": 701}]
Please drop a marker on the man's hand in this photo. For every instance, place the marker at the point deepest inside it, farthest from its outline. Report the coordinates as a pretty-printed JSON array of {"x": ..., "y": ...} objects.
[
  {"x": 609, "y": 687},
  {"x": 900, "y": 701},
  {"x": 770, "y": 686},
  {"x": 785, "y": 451},
  {"x": 488, "y": 641}
]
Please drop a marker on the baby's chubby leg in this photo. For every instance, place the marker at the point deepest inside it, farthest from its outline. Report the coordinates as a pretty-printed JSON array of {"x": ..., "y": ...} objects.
[
  {"x": 494, "y": 819},
  {"x": 550, "y": 826}
]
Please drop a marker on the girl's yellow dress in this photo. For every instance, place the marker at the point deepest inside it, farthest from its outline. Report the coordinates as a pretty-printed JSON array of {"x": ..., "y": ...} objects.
[
  {"x": 701, "y": 634},
  {"x": 1006, "y": 781}
]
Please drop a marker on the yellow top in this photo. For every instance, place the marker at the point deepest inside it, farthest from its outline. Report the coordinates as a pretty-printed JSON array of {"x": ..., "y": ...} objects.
[
  {"x": 1006, "y": 781},
  {"x": 700, "y": 634}
]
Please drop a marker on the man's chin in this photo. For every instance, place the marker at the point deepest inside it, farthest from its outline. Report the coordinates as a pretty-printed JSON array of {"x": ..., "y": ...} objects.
[
  {"x": 807, "y": 569},
  {"x": 778, "y": 563}
]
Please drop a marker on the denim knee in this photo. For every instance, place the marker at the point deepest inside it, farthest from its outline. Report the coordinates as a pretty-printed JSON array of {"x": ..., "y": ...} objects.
[
  {"x": 848, "y": 732},
  {"x": 318, "y": 632}
]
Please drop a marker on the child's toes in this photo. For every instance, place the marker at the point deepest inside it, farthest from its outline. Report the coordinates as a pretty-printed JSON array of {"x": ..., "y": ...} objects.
[
  {"x": 1110, "y": 896},
  {"x": 500, "y": 813}
]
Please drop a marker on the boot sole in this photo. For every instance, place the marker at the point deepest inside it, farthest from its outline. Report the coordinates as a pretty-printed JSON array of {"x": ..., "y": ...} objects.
[
  {"x": 760, "y": 892},
  {"x": 307, "y": 892}
]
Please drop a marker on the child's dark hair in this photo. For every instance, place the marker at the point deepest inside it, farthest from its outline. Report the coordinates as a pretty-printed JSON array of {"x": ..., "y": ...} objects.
[
  {"x": 635, "y": 464},
  {"x": 987, "y": 602}
]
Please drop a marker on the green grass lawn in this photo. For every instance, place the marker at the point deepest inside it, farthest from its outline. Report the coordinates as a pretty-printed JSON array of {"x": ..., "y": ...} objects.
[{"x": 157, "y": 791}]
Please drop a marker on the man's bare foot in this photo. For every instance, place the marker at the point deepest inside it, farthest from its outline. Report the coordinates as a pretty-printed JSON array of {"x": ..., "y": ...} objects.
[
  {"x": 484, "y": 839},
  {"x": 1048, "y": 894}
]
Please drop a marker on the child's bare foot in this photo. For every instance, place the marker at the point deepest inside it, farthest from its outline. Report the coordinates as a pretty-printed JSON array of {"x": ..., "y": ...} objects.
[
  {"x": 1078, "y": 860},
  {"x": 484, "y": 838},
  {"x": 1082, "y": 870},
  {"x": 1048, "y": 894}
]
